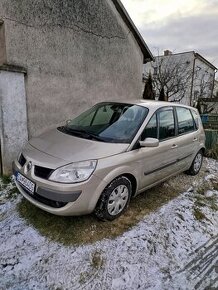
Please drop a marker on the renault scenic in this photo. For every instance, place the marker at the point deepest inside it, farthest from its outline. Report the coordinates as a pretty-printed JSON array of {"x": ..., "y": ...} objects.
[{"x": 104, "y": 157}]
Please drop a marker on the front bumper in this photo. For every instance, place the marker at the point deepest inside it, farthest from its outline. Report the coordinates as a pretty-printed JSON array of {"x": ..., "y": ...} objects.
[{"x": 58, "y": 198}]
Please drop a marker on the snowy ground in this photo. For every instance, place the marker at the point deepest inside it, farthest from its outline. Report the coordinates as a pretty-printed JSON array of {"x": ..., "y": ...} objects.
[{"x": 175, "y": 247}]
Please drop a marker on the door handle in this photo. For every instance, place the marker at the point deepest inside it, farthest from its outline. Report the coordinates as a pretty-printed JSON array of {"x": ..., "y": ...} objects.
[
  {"x": 174, "y": 146},
  {"x": 195, "y": 139}
]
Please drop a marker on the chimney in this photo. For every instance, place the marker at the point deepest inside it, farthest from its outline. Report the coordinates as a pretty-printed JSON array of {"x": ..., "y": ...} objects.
[{"x": 167, "y": 52}]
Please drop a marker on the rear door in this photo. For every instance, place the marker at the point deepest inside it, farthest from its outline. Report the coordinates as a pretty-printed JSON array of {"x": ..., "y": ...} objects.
[{"x": 188, "y": 136}]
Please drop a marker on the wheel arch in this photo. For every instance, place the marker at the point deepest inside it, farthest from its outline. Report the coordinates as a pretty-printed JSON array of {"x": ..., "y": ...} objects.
[
  {"x": 203, "y": 149},
  {"x": 131, "y": 178},
  {"x": 102, "y": 210},
  {"x": 133, "y": 181}
]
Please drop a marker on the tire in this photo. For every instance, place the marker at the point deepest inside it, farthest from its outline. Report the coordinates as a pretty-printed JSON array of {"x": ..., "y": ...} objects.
[
  {"x": 196, "y": 164},
  {"x": 114, "y": 199}
]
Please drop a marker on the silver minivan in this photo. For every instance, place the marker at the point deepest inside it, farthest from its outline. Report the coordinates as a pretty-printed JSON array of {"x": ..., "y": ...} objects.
[{"x": 101, "y": 159}]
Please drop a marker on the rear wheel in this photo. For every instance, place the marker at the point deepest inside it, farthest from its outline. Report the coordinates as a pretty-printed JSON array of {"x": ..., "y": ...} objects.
[
  {"x": 196, "y": 164},
  {"x": 114, "y": 199}
]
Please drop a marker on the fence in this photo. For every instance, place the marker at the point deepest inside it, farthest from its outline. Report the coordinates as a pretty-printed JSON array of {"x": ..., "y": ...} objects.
[{"x": 210, "y": 123}]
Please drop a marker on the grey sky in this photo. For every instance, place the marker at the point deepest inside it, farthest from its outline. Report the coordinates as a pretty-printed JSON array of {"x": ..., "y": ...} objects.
[{"x": 177, "y": 25}]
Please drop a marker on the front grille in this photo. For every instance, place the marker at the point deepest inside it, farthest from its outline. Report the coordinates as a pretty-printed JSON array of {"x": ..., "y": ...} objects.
[
  {"x": 22, "y": 160},
  {"x": 46, "y": 201},
  {"x": 42, "y": 172}
]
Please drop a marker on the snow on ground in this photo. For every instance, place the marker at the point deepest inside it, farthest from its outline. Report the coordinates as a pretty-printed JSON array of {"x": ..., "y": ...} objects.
[{"x": 168, "y": 249}]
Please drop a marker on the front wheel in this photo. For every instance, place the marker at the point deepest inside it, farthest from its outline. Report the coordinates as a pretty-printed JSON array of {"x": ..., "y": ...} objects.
[
  {"x": 196, "y": 164},
  {"x": 114, "y": 199}
]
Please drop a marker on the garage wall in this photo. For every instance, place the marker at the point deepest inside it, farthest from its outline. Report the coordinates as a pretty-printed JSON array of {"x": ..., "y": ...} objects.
[{"x": 76, "y": 53}]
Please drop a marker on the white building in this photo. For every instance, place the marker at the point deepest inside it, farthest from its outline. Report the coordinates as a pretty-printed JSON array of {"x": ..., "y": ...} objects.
[{"x": 185, "y": 77}]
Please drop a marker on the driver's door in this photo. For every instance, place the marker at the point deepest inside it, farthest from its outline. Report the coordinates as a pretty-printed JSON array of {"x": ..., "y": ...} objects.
[{"x": 157, "y": 163}]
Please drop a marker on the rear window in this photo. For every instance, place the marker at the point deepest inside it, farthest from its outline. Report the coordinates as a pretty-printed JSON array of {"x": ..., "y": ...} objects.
[{"x": 185, "y": 120}]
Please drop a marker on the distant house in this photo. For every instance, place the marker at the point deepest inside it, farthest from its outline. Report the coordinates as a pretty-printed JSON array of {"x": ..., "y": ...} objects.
[
  {"x": 215, "y": 95},
  {"x": 215, "y": 89},
  {"x": 59, "y": 57},
  {"x": 185, "y": 77},
  {"x": 211, "y": 103}
]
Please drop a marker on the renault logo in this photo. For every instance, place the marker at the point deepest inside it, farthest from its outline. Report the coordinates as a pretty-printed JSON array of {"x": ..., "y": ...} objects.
[{"x": 29, "y": 166}]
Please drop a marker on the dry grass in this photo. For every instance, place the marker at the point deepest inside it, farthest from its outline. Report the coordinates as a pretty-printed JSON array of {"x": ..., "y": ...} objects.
[
  {"x": 212, "y": 153},
  {"x": 8, "y": 185},
  {"x": 96, "y": 263},
  {"x": 88, "y": 229},
  {"x": 198, "y": 214},
  {"x": 96, "y": 260},
  {"x": 4, "y": 181}
]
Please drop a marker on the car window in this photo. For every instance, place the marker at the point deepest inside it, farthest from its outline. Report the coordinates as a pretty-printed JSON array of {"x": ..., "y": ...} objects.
[
  {"x": 185, "y": 120},
  {"x": 103, "y": 115},
  {"x": 108, "y": 122},
  {"x": 150, "y": 129},
  {"x": 196, "y": 118},
  {"x": 166, "y": 124},
  {"x": 126, "y": 125}
]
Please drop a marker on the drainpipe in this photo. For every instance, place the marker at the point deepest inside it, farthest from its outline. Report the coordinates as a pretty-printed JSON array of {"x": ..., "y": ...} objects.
[
  {"x": 193, "y": 71},
  {"x": 213, "y": 83}
]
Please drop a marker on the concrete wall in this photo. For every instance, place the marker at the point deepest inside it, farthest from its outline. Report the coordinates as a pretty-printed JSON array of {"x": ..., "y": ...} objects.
[
  {"x": 13, "y": 118},
  {"x": 76, "y": 53}
]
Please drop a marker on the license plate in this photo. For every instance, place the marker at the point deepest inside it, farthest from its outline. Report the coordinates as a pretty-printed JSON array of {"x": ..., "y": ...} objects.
[{"x": 29, "y": 185}]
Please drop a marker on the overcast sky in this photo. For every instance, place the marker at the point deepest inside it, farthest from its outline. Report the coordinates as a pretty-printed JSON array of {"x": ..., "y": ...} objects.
[{"x": 177, "y": 25}]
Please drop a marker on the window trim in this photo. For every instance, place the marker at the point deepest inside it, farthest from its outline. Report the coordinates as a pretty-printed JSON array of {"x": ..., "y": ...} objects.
[
  {"x": 196, "y": 127},
  {"x": 155, "y": 113},
  {"x": 176, "y": 123},
  {"x": 168, "y": 108}
]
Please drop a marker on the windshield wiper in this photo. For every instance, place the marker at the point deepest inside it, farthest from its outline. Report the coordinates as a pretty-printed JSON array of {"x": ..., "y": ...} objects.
[{"x": 82, "y": 133}]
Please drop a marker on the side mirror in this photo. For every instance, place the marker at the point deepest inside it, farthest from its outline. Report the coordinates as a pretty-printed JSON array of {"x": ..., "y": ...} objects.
[{"x": 149, "y": 142}]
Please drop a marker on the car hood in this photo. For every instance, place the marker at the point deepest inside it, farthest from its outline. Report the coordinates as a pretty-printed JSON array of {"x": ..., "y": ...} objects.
[{"x": 73, "y": 149}]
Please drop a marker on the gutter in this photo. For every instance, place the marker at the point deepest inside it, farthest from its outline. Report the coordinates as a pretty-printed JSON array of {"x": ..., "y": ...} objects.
[
  {"x": 126, "y": 18},
  {"x": 193, "y": 71}
]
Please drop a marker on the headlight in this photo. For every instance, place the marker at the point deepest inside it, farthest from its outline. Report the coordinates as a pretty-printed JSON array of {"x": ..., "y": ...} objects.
[{"x": 74, "y": 172}]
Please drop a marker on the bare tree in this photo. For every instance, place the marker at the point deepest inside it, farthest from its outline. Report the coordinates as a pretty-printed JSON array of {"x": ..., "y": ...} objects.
[
  {"x": 148, "y": 90},
  {"x": 162, "y": 96},
  {"x": 204, "y": 107},
  {"x": 204, "y": 97},
  {"x": 171, "y": 78}
]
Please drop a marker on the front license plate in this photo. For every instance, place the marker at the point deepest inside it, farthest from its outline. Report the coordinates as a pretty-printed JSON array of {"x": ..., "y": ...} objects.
[{"x": 29, "y": 185}]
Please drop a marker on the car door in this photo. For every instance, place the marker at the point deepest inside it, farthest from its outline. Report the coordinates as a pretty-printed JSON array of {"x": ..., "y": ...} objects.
[
  {"x": 188, "y": 139},
  {"x": 159, "y": 162}
]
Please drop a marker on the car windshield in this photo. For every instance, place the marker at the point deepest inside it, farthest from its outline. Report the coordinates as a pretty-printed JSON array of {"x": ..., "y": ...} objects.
[{"x": 108, "y": 122}]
